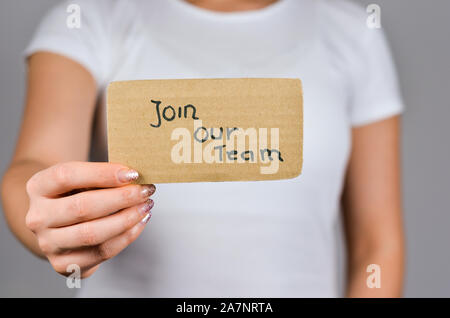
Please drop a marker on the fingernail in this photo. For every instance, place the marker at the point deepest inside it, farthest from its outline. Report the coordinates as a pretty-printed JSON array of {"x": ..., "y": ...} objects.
[
  {"x": 148, "y": 191},
  {"x": 146, "y": 218},
  {"x": 146, "y": 207},
  {"x": 127, "y": 175}
]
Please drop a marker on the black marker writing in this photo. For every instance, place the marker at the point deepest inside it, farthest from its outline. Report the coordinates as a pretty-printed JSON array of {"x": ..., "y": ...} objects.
[{"x": 169, "y": 113}]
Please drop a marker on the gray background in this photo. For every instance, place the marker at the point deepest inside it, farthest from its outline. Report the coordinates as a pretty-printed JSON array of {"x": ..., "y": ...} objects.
[{"x": 418, "y": 31}]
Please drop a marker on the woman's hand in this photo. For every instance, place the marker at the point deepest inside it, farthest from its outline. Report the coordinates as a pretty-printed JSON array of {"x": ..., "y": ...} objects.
[{"x": 86, "y": 213}]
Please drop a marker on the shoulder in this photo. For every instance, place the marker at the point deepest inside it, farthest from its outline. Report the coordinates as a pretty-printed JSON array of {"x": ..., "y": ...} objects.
[
  {"x": 343, "y": 12},
  {"x": 344, "y": 19},
  {"x": 84, "y": 31},
  {"x": 95, "y": 12},
  {"x": 344, "y": 28}
]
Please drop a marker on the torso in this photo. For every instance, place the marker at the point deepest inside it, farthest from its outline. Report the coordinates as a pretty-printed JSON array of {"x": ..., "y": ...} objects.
[{"x": 255, "y": 239}]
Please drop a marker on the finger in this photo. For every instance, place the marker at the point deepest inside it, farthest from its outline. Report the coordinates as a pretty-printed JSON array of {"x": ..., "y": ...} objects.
[
  {"x": 89, "y": 258},
  {"x": 93, "y": 204},
  {"x": 65, "y": 177},
  {"x": 89, "y": 272},
  {"x": 63, "y": 264},
  {"x": 100, "y": 230}
]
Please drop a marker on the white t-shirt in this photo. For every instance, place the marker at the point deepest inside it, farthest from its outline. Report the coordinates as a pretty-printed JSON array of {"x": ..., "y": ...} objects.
[{"x": 258, "y": 239}]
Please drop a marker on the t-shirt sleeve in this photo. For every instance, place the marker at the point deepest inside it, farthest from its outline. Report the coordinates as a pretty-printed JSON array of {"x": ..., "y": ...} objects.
[
  {"x": 375, "y": 90},
  {"x": 86, "y": 45}
]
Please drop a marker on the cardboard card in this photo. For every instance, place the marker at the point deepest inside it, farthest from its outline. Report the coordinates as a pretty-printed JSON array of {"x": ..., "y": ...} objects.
[{"x": 198, "y": 130}]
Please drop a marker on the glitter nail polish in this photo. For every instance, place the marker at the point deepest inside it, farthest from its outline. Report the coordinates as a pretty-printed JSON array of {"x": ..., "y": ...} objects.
[{"x": 126, "y": 175}]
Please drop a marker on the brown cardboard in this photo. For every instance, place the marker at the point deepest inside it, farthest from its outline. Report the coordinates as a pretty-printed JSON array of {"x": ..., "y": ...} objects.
[{"x": 160, "y": 153}]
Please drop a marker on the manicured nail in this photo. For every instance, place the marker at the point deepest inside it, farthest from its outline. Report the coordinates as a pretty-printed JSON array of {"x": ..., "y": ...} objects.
[
  {"x": 148, "y": 190},
  {"x": 146, "y": 207},
  {"x": 146, "y": 218},
  {"x": 127, "y": 175}
]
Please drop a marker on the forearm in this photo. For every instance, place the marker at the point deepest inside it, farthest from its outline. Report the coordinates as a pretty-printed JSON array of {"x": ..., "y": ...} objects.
[
  {"x": 15, "y": 201},
  {"x": 390, "y": 261}
]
